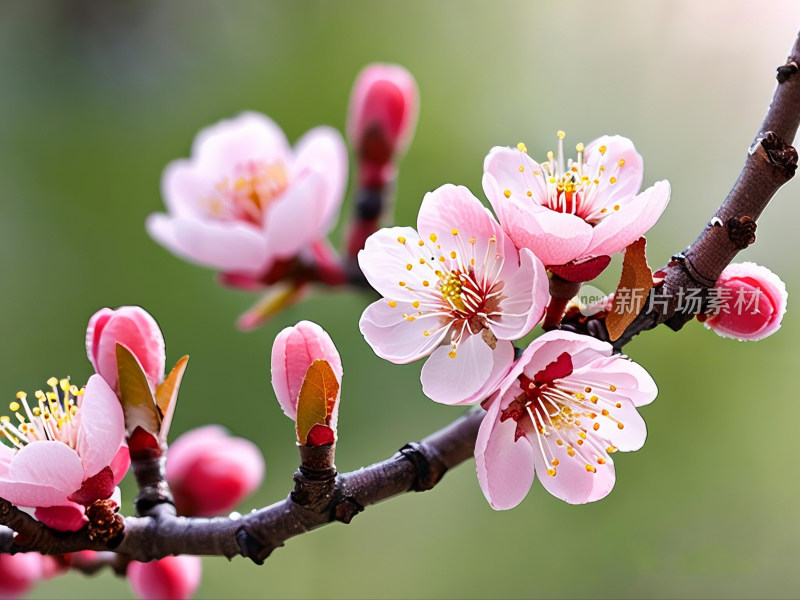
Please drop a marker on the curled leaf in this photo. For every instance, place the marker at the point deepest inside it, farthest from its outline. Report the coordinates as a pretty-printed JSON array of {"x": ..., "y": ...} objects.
[
  {"x": 317, "y": 399},
  {"x": 631, "y": 293},
  {"x": 137, "y": 400}
]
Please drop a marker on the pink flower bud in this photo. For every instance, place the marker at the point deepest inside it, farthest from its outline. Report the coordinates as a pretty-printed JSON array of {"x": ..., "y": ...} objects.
[
  {"x": 750, "y": 301},
  {"x": 171, "y": 578},
  {"x": 132, "y": 327},
  {"x": 18, "y": 573},
  {"x": 210, "y": 471},
  {"x": 381, "y": 118},
  {"x": 293, "y": 353}
]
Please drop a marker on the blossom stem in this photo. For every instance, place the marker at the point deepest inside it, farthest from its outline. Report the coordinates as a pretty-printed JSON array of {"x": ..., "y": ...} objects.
[{"x": 561, "y": 292}]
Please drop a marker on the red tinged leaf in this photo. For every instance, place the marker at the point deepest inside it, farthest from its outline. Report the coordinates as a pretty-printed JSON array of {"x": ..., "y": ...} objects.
[
  {"x": 317, "y": 399},
  {"x": 631, "y": 294}
]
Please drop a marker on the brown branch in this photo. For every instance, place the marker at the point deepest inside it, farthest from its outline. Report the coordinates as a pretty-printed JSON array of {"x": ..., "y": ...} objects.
[
  {"x": 770, "y": 163},
  {"x": 317, "y": 500}
]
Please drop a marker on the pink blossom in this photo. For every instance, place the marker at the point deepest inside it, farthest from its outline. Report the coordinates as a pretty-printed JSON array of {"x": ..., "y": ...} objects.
[
  {"x": 18, "y": 573},
  {"x": 134, "y": 328},
  {"x": 170, "y": 578},
  {"x": 381, "y": 119},
  {"x": 65, "y": 451},
  {"x": 246, "y": 201},
  {"x": 456, "y": 289},
  {"x": 570, "y": 214},
  {"x": 565, "y": 406},
  {"x": 751, "y": 302},
  {"x": 210, "y": 471},
  {"x": 293, "y": 352}
]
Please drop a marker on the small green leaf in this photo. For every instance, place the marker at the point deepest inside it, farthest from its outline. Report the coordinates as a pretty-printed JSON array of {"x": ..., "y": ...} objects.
[
  {"x": 167, "y": 396},
  {"x": 317, "y": 398},
  {"x": 138, "y": 403}
]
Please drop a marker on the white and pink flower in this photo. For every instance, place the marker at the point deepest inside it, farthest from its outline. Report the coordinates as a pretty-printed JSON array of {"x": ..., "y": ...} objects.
[
  {"x": 750, "y": 302},
  {"x": 573, "y": 216},
  {"x": 170, "y": 578},
  {"x": 456, "y": 289},
  {"x": 246, "y": 201},
  {"x": 567, "y": 404},
  {"x": 63, "y": 451}
]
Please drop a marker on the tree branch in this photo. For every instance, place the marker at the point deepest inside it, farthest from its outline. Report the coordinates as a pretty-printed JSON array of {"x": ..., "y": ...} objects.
[
  {"x": 417, "y": 466},
  {"x": 770, "y": 163}
]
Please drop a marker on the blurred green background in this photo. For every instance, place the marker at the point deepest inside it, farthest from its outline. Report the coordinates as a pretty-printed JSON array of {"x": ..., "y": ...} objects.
[{"x": 96, "y": 97}]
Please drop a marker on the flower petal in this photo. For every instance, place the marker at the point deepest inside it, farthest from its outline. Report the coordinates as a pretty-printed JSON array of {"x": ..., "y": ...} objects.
[
  {"x": 634, "y": 432},
  {"x": 627, "y": 177},
  {"x": 65, "y": 517},
  {"x": 572, "y": 482},
  {"x": 250, "y": 136},
  {"x": 630, "y": 222},
  {"x": 526, "y": 296},
  {"x": 555, "y": 238},
  {"x": 101, "y": 427},
  {"x": 451, "y": 208},
  {"x": 502, "y": 361},
  {"x": 454, "y": 380},
  {"x": 505, "y": 467},
  {"x": 394, "y": 338},
  {"x": 323, "y": 150},
  {"x": 184, "y": 187},
  {"x": 42, "y": 474},
  {"x": 504, "y": 164},
  {"x": 296, "y": 218},
  {"x": 228, "y": 246}
]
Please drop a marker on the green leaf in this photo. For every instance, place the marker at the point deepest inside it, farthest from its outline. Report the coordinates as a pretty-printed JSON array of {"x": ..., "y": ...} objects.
[
  {"x": 138, "y": 403},
  {"x": 167, "y": 396},
  {"x": 317, "y": 398}
]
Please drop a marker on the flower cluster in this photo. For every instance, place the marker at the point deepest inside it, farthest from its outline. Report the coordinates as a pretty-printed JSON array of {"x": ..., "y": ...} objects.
[{"x": 463, "y": 287}]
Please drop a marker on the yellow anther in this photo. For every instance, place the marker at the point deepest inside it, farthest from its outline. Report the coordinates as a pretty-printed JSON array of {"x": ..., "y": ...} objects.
[
  {"x": 551, "y": 472},
  {"x": 602, "y": 149},
  {"x": 64, "y": 384},
  {"x": 596, "y": 426},
  {"x": 415, "y": 304},
  {"x": 621, "y": 162},
  {"x": 587, "y": 389},
  {"x": 441, "y": 259},
  {"x": 550, "y": 155},
  {"x": 616, "y": 207},
  {"x": 580, "y": 442},
  {"x": 453, "y": 254},
  {"x": 452, "y": 354},
  {"x": 426, "y": 283},
  {"x": 612, "y": 181},
  {"x": 14, "y": 406},
  {"x": 4, "y": 419},
  {"x": 454, "y": 231},
  {"x": 21, "y": 395},
  {"x": 522, "y": 148},
  {"x": 594, "y": 399},
  {"x": 402, "y": 283},
  {"x": 582, "y": 434},
  {"x": 570, "y": 451},
  {"x": 612, "y": 387},
  {"x": 473, "y": 240},
  {"x": 422, "y": 261},
  {"x": 611, "y": 449},
  {"x": 426, "y": 333},
  {"x": 409, "y": 318},
  {"x": 401, "y": 239},
  {"x": 409, "y": 266},
  {"x": 620, "y": 426},
  {"x": 554, "y": 462},
  {"x": 559, "y": 443},
  {"x": 52, "y": 382},
  {"x": 561, "y": 134},
  {"x": 552, "y": 180},
  {"x": 530, "y": 194},
  {"x": 521, "y": 169},
  {"x": 433, "y": 237},
  {"x": 601, "y": 461},
  {"x": 591, "y": 469},
  {"x": 596, "y": 182},
  {"x": 579, "y": 147},
  {"x": 604, "y": 412},
  {"x": 392, "y": 304},
  {"x": 421, "y": 243}
]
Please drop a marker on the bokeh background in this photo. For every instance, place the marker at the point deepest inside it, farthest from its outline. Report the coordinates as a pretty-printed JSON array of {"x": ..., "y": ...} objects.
[{"x": 96, "y": 97}]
